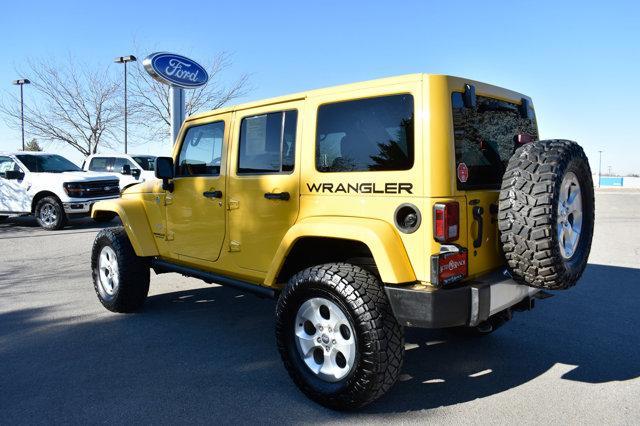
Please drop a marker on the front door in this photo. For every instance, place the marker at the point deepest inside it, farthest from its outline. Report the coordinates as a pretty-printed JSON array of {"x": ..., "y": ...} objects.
[
  {"x": 263, "y": 183},
  {"x": 13, "y": 192},
  {"x": 195, "y": 208}
]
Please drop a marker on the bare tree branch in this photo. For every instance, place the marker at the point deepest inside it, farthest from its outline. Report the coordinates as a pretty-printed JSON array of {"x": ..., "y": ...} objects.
[{"x": 75, "y": 105}]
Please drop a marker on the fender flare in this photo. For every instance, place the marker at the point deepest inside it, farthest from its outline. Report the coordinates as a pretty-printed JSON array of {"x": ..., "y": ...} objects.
[
  {"x": 134, "y": 220},
  {"x": 380, "y": 237}
]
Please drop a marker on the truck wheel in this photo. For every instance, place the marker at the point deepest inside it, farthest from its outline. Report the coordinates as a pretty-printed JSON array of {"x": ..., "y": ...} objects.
[
  {"x": 337, "y": 335},
  {"x": 120, "y": 277},
  {"x": 546, "y": 214},
  {"x": 50, "y": 214},
  {"x": 104, "y": 217},
  {"x": 3, "y": 218}
]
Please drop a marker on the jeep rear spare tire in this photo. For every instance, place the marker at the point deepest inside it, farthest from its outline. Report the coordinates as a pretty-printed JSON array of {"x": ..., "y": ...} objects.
[
  {"x": 546, "y": 214},
  {"x": 337, "y": 335}
]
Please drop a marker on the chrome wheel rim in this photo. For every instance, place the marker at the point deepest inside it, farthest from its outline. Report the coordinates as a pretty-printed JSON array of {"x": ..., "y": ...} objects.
[
  {"x": 48, "y": 214},
  {"x": 325, "y": 339},
  {"x": 108, "y": 271},
  {"x": 569, "y": 222}
]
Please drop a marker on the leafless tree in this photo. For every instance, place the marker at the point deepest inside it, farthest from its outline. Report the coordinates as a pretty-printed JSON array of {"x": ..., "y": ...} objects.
[
  {"x": 72, "y": 104},
  {"x": 150, "y": 98}
]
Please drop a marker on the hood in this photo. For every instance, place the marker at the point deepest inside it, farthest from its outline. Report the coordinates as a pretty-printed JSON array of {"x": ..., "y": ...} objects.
[{"x": 79, "y": 176}]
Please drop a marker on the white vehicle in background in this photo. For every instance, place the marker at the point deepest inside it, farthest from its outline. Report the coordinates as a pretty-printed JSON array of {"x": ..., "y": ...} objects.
[
  {"x": 51, "y": 188},
  {"x": 130, "y": 169}
]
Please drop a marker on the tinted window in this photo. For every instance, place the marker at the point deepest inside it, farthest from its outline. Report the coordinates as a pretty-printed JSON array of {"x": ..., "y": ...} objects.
[
  {"x": 268, "y": 143},
  {"x": 365, "y": 135},
  {"x": 99, "y": 164},
  {"x": 146, "y": 162},
  {"x": 485, "y": 138},
  {"x": 201, "y": 150},
  {"x": 47, "y": 163},
  {"x": 119, "y": 162}
]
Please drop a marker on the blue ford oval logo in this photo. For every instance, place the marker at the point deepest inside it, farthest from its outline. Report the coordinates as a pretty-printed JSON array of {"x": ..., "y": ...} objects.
[{"x": 175, "y": 70}]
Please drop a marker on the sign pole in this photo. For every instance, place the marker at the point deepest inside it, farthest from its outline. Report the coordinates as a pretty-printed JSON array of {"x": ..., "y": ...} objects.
[{"x": 177, "y": 109}]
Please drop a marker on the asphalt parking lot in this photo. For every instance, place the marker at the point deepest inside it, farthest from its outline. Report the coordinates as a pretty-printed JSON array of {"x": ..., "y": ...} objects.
[{"x": 206, "y": 354}]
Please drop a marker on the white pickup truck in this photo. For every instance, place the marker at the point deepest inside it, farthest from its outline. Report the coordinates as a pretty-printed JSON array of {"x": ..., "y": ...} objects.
[{"x": 51, "y": 188}]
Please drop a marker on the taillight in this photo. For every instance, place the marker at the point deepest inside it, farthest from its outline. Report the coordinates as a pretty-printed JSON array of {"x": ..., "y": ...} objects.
[{"x": 446, "y": 221}]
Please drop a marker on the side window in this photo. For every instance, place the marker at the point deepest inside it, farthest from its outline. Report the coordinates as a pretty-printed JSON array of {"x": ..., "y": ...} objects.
[
  {"x": 373, "y": 134},
  {"x": 8, "y": 165},
  {"x": 201, "y": 151},
  {"x": 99, "y": 164},
  {"x": 268, "y": 143},
  {"x": 119, "y": 162}
]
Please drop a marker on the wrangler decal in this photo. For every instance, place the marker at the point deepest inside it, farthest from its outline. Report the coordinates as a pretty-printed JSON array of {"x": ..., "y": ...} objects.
[{"x": 362, "y": 188}]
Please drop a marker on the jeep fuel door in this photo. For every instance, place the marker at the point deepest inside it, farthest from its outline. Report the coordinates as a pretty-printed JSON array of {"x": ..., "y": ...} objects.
[
  {"x": 196, "y": 207},
  {"x": 263, "y": 183}
]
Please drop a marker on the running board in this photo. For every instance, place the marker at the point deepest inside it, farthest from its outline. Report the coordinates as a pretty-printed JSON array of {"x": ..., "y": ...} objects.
[{"x": 162, "y": 266}]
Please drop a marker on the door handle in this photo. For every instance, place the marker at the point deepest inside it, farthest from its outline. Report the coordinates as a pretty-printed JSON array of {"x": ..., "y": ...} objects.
[
  {"x": 477, "y": 216},
  {"x": 284, "y": 196},
  {"x": 212, "y": 194}
]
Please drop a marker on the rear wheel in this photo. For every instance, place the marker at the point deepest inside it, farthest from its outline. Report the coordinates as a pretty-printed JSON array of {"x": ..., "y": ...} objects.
[
  {"x": 120, "y": 277},
  {"x": 3, "y": 218},
  {"x": 50, "y": 213},
  {"x": 337, "y": 335},
  {"x": 546, "y": 214}
]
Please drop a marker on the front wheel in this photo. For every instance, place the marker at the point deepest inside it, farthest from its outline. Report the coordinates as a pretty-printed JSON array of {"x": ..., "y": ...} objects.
[
  {"x": 120, "y": 277},
  {"x": 50, "y": 214},
  {"x": 338, "y": 337}
]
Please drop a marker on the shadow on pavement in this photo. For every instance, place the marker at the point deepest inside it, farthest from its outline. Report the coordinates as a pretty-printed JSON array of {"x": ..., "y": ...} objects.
[{"x": 209, "y": 354}]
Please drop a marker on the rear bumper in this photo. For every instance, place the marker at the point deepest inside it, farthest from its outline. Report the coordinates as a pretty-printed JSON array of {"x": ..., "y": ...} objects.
[
  {"x": 420, "y": 306},
  {"x": 83, "y": 205}
]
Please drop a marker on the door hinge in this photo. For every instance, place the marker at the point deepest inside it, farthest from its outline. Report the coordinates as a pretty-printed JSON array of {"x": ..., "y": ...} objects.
[
  {"x": 168, "y": 200},
  {"x": 170, "y": 236},
  {"x": 234, "y": 246},
  {"x": 233, "y": 204}
]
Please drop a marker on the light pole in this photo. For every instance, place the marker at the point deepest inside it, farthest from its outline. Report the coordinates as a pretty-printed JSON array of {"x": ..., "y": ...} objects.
[
  {"x": 599, "y": 167},
  {"x": 21, "y": 82},
  {"x": 124, "y": 60}
]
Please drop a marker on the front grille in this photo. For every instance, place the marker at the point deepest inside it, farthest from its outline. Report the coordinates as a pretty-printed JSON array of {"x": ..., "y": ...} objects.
[{"x": 99, "y": 188}]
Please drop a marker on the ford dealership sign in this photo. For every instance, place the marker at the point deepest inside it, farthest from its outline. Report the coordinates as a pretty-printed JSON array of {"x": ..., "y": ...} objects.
[{"x": 175, "y": 70}]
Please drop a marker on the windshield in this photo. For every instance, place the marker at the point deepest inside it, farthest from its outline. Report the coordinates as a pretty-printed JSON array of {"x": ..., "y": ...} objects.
[
  {"x": 146, "y": 162},
  {"x": 47, "y": 163}
]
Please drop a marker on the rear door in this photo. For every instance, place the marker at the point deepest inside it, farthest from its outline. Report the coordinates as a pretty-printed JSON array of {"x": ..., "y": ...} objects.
[
  {"x": 485, "y": 138},
  {"x": 263, "y": 183}
]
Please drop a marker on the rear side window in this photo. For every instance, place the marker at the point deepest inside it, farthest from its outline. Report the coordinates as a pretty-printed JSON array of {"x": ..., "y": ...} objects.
[
  {"x": 201, "y": 150},
  {"x": 99, "y": 164},
  {"x": 119, "y": 162},
  {"x": 268, "y": 143},
  {"x": 485, "y": 139},
  {"x": 374, "y": 134}
]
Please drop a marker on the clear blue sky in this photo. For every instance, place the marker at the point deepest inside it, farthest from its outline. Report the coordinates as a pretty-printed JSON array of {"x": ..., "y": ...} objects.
[{"x": 579, "y": 62}]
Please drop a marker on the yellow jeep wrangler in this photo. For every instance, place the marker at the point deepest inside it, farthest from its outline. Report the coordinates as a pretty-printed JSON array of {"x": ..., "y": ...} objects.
[{"x": 420, "y": 200}]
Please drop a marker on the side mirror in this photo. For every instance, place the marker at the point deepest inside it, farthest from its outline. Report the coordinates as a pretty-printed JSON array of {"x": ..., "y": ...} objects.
[
  {"x": 13, "y": 175},
  {"x": 165, "y": 171},
  {"x": 126, "y": 170},
  {"x": 135, "y": 173}
]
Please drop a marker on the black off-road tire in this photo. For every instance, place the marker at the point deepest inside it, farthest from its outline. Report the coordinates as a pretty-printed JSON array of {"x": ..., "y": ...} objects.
[
  {"x": 104, "y": 217},
  {"x": 133, "y": 272},
  {"x": 53, "y": 203},
  {"x": 3, "y": 218},
  {"x": 529, "y": 209},
  {"x": 379, "y": 337}
]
